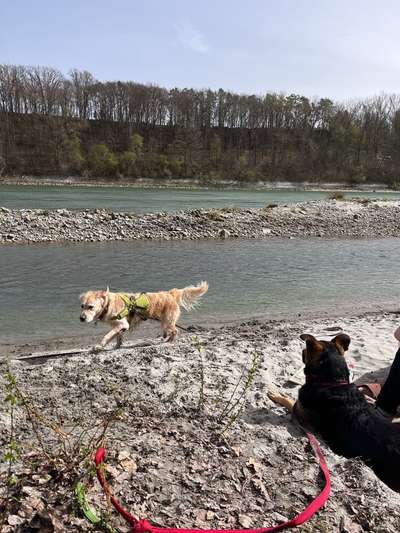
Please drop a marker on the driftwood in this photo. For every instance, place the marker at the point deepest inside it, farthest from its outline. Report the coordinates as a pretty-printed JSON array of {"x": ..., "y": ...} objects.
[{"x": 78, "y": 351}]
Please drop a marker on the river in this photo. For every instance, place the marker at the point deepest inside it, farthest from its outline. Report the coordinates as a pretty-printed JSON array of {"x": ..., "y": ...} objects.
[
  {"x": 40, "y": 284},
  {"x": 156, "y": 199}
]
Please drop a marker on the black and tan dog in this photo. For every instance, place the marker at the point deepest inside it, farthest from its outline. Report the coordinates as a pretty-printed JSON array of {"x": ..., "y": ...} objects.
[{"x": 339, "y": 412}]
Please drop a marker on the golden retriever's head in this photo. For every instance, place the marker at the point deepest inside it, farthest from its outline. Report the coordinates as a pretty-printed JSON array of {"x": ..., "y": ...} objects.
[{"x": 92, "y": 304}]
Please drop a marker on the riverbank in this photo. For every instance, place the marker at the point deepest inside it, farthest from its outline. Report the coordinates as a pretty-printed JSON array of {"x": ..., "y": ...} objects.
[
  {"x": 328, "y": 219},
  {"x": 177, "y": 455},
  {"x": 171, "y": 183}
]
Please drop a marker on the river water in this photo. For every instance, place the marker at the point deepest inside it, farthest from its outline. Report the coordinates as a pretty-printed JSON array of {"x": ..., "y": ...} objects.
[
  {"x": 40, "y": 284},
  {"x": 157, "y": 199}
]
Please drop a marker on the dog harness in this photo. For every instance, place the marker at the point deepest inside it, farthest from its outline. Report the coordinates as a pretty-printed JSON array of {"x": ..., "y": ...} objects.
[{"x": 134, "y": 306}]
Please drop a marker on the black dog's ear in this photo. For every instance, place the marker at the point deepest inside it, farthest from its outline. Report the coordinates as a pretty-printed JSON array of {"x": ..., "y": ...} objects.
[
  {"x": 313, "y": 346},
  {"x": 308, "y": 338},
  {"x": 342, "y": 342}
]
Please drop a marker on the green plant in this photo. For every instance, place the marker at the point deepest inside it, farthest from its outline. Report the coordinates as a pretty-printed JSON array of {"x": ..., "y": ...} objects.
[
  {"x": 127, "y": 163},
  {"x": 199, "y": 349},
  {"x": 358, "y": 178},
  {"x": 12, "y": 450},
  {"x": 64, "y": 453},
  {"x": 102, "y": 161},
  {"x": 178, "y": 387},
  {"x": 337, "y": 195},
  {"x": 360, "y": 200},
  {"x": 233, "y": 408},
  {"x": 215, "y": 214}
]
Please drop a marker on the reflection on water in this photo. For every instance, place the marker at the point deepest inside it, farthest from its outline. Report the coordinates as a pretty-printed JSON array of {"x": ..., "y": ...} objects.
[
  {"x": 146, "y": 200},
  {"x": 39, "y": 285}
]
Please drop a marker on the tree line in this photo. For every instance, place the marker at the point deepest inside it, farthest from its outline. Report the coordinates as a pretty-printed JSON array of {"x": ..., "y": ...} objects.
[{"x": 150, "y": 131}]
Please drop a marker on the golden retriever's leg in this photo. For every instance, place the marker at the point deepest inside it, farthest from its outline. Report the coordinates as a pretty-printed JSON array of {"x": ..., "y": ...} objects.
[
  {"x": 118, "y": 342},
  {"x": 281, "y": 399},
  {"x": 117, "y": 330},
  {"x": 168, "y": 322},
  {"x": 134, "y": 322}
]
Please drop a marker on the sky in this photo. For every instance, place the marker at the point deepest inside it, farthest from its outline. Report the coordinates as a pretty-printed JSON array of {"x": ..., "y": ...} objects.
[{"x": 337, "y": 49}]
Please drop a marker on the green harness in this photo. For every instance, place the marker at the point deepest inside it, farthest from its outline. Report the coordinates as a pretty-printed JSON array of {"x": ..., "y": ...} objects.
[{"x": 134, "y": 306}]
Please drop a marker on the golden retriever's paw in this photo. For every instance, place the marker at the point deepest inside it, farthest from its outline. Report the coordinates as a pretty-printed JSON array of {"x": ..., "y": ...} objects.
[{"x": 98, "y": 348}]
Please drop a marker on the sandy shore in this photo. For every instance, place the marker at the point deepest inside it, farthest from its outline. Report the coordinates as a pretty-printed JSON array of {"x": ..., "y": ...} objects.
[
  {"x": 178, "y": 455},
  {"x": 327, "y": 219}
]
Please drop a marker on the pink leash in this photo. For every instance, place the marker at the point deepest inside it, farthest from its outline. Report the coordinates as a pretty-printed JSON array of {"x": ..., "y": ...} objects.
[{"x": 139, "y": 525}]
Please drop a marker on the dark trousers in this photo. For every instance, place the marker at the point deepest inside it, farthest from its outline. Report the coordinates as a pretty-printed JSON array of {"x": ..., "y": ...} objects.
[{"x": 389, "y": 397}]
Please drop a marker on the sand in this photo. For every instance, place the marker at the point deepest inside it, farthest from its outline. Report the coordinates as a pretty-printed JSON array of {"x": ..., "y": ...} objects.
[{"x": 177, "y": 456}]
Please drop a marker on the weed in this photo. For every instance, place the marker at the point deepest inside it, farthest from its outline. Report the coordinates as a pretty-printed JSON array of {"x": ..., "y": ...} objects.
[
  {"x": 63, "y": 453},
  {"x": 360, "y": 200},
  {"x": 215, "y": 215},
  {"x": 199, "y": 348},
  {"x": 12, "y": 449},
  {"x": 337, "y": 195},
  {"x": 233, "y": 408}
]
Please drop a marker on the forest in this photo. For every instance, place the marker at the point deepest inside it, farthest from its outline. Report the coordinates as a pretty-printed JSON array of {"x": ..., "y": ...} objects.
[{"x": 53, "y": 124}]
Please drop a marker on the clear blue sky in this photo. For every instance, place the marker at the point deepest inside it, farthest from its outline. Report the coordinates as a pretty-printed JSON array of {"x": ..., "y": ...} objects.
[{"x": 338, "y": 49}]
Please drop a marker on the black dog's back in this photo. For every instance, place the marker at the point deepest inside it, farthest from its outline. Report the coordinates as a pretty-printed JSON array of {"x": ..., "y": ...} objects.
[{"x": 351, "y": 427}]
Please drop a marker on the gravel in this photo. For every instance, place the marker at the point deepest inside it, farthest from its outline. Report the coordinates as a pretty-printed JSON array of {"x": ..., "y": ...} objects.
[{"x": 324, "y": 219}]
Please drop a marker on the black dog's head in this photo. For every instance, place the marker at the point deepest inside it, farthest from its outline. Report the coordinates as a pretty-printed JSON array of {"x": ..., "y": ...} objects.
[{"x": 323, "y": 360}]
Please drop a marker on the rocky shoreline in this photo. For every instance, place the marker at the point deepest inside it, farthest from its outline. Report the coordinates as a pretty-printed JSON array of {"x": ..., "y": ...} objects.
[{"x": 327, "y": 219}]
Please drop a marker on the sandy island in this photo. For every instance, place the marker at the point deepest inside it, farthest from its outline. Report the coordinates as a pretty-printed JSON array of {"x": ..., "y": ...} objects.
[{"x": 326, "y": 219}]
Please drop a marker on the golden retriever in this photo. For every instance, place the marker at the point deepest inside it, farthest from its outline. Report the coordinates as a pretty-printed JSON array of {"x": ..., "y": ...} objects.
[{"x": 164, "y": 306}]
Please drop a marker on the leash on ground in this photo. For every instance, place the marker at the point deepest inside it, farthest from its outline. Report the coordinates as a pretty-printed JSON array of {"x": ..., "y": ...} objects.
[{"x": 139, "y": 525}]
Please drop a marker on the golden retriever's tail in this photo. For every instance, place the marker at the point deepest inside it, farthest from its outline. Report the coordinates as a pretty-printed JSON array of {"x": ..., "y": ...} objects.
[{"x": 188, "y": 296}]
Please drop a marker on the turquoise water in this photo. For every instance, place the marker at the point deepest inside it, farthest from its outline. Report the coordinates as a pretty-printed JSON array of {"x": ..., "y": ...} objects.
[
  {"x": 147, "y": 200},
  {"x": 40, "y": 285}
]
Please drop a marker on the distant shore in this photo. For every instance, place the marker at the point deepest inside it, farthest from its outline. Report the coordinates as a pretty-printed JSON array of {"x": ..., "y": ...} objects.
[
  {"x": 75, "y": 181},
  {"x": 324, "y": 219}
]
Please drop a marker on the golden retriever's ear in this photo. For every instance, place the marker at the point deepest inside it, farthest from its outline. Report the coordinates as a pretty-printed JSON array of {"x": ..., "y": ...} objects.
[
  {"x": 82, "y": 295},
  {"x": 342, "y": 342},
  {"x": 313, "y": 346},
  {"x": 104, "y": 294}
]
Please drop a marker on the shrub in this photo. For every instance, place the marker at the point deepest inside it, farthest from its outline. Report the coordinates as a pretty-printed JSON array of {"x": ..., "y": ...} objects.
[
  {"x": 337, "y": 195},
  {"x": 127, "y": 163},
  {"x": 102, "y": 162},
  {"x": 358, "y": 178}
]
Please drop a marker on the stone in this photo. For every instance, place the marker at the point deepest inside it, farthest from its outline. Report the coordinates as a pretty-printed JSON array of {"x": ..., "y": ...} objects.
[{"x": 224, "y": 233}]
